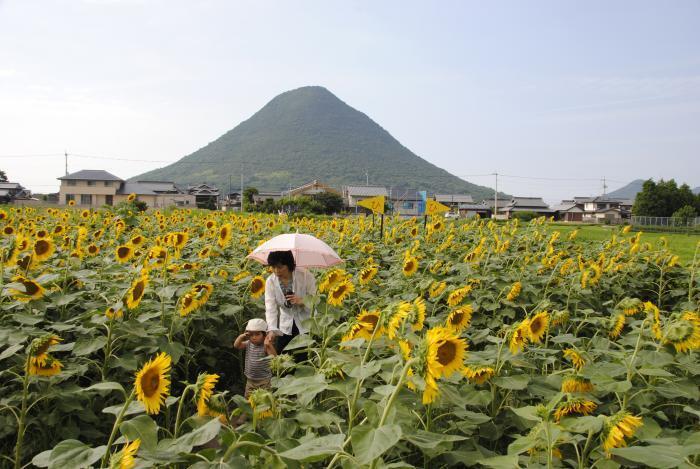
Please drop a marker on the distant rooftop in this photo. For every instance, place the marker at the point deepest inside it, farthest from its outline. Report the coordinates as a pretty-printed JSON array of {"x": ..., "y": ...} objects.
[
  {"x": 365, "y": 191},
  {"x": 91, "y": 175},
  {"x": 454, "y": 198}
]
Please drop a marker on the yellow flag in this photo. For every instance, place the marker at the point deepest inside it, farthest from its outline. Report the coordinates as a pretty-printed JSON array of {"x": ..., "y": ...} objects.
[
  {"x": 375, "y": 204},
  {"x": 433, "y": 207}
]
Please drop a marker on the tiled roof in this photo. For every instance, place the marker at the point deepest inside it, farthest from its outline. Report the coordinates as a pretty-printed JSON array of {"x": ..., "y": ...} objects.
[
  {"x": 149, "y": 188},
  {"x": 454, "y": 198},
  {"x": 365, "y": 191},
  {"x": 91, "y": 175}
]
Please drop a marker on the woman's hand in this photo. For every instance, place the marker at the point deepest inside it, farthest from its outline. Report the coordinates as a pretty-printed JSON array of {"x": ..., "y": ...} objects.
[{"x": 294, "y": 299}]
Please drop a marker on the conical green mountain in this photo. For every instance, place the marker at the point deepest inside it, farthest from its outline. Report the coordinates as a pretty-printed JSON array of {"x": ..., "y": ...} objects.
[{"x": 307, "y": 134}]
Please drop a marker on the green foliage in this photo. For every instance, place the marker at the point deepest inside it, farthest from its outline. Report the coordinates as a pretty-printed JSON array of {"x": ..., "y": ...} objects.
[
  {"x": 307, "y": 134},
  {"x": 525, "y": 216},
  {"x": 685, "y": 212},
  {"x": 3, "y": 176},
  {"x": 662, "y": 199}
]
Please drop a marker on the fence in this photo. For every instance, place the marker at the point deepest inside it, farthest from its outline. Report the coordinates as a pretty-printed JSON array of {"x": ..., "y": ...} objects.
[{"x": 667, "y": 223}]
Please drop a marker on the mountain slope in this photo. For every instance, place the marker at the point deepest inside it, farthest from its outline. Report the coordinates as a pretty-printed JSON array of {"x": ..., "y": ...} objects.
[
  {"x": 629, "y": 191},
  {"x": 308, "y": 134}
]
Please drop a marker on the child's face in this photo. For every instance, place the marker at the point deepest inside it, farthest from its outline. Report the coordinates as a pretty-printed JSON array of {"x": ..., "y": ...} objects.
[{"x": 256, "y": 337}]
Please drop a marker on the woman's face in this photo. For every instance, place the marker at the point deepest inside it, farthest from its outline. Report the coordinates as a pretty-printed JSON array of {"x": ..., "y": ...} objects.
[{"x": 281, "y": 270}]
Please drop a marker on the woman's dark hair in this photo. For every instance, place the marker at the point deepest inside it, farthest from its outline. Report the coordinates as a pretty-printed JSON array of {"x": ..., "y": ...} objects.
[{"x": 281, "y": 258}]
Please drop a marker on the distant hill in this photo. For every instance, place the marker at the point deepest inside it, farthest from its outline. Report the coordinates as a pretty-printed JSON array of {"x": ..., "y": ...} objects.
[
  {"x": 629, "y": 191},
  {"x": 308, "y": 134},
  {"x": 696, "y": 190}
]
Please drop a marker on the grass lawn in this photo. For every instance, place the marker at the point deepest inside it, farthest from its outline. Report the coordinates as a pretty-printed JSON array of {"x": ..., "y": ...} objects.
[{"x": 682, "y": 244}]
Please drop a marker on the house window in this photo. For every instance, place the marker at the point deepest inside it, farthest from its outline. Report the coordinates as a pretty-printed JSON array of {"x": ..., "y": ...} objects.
[
  {"x": 109, "y": 199},
  {"x": 108, "y": 183},
  {"x": 407, "y": 205},
  {"x": 85, "y": 199},
  {"x": 72, "y": 182},
  {"x": 92, "y": 183},
  {"x": 70, "y": 197}
]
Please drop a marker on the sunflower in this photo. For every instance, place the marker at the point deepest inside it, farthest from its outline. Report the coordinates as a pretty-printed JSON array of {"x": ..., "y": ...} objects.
[
  {"x": 617, "y": 427},
  {"x": 418, "y": 314},
  {"x": 456, "y": 296},
  {"x": 364, "y": 325},
  {"x": 575, "y": 358},
  {"x": 187, "y": 304},
  {"x": 573, "y": 383},
  {"x": 431, "y": 391},
  {"x": 630, "y": 306},
  {"x": 71, "y": 203},
  {"x": 123, "y": 253},
  {"x": 410, "y": 266},
  {"x": 367, "y": 274},
  {"x": 402, "y": 311},
  {"x": 519, "y": 338},
  {"x": 32, "y": 290},
  {"x": 43, "y": 249},
  {"x": 124, "y": 459},
  {"x": 157, "y": 255},
  {"x": 8, "y": 230},
  {"x": 436, "y": 289},
  {"x": 332, "y": 278},
  {"x": 616, "y": 325},
  {"x": 446, "y": 352},
  {"x": 338, "y": 293},
  {"x": 537, "y": 327},
  {"x": 514, "y": 291},
  {"x": 257, "y": 286},
  {"x": 47, "y": 367},
  {"x": 42, "y": 234},
  {"x": 112, "y": 312},
  {"x": 684, "y": 333},
  {"x": 201, "y": 293},
  {"x": 459, "y": 319},
  {"x": 152, "y": 383},
  {"x": 137, "y": 240},
  {"x": 204, "y": 252},
  {"x": 479, "y": 374},
  {"x": 205, "y": 388},
  {"x": 224, "y": 235},
  {"x": 59, "y": 229},
  {"x": 240, "y": 276},
  {"x": 131, "y": 197},
  {"x": 574, "y": 406},
  {"x": 262, "y": 402},
  {"x": 93, "y": 250},
  {"x": 135, "y": 293}
]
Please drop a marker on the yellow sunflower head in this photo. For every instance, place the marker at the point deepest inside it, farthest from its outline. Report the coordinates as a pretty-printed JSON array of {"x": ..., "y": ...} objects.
[
  {"x": 514, "y": 291},
  {"x": 617, "y": 323},
  {"x": 339, "y": 292},
  {"x": 575, "y": 383},
  {"x": 479, "y": 374},
  {"x": 367, "y": 274},
  {"x": 224, "y": 235},
  {"x": 519, "y": 337},
  {"x": 123, "y": 253},
  {"x": 457, "y": 296},
  {"x": 205, "y": 389},
  {"x": 684, "y": 332},
  {"x": 618, "y": 427},
  {"x": 124, "y": 459},
  {"x": 32, "y": 289},
  {"x": 131, "y": 197},
  {"x": 135, "y": 293},
  {"x": 459, "y": 319},
  {"x": 576, "y": 405},
  {"x": 575, "y": 358},
  {"x": 114, "y": 313},
  {"x": 257, "y": 286},
  {"x": 537, "y": 327},
  {"x": 410, "y": 266},
  {"x": 152, "y": 383},
  {"x": 418, "y": 314},
  {"x": 445, "y": 352}
]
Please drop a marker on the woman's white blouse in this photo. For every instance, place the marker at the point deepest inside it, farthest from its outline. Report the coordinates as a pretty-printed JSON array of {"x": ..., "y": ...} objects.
[{"x": 279, "y": 318}]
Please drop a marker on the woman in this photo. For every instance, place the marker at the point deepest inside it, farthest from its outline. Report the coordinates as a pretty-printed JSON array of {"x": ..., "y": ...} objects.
[{"x": 288, "y": 294}]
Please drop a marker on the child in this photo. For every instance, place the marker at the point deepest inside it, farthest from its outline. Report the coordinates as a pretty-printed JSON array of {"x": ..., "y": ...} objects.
[{"x": 257, "y": 344}]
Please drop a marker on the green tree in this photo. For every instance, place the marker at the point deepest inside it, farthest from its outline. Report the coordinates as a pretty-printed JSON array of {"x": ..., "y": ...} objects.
[
  {"x": 685, "y": 213},
  {"x": 332, "y": 203},
  {"x": 664, "y": 198},
  {"x": 3, "y": 176}
]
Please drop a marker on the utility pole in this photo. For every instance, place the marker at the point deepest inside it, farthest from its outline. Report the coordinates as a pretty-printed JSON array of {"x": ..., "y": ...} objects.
[
  {"x": 495, "y": 198},
  {"x": 65, "y": 153},
  {"x": 242, "y": 188},
  {"x": 605, "y": 186},
  {"x": 367, "y": 176}
]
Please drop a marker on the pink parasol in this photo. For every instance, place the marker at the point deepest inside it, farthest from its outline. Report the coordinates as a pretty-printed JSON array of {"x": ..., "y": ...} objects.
[{"x": 308, "y": 251}]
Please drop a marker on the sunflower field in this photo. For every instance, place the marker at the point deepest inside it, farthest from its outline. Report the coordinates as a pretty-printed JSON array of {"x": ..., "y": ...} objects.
[{"x": 461, "y": 343}]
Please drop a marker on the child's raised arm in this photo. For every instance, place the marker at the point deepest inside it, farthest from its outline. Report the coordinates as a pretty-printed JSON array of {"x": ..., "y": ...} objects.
[
  {"x": 270, "y": 344},
  {"x": 241, "y": 341}
]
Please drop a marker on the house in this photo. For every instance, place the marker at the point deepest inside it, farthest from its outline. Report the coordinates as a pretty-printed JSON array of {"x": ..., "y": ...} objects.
[
  {"x": 354, "y": 194},
  {"x": 406, "y": 202},
  {"x": 262, "y": 197},
  {"x": 13, "y": 191},
  {"x": 470, "y": 210},
  {"x": 454, "y": 200},
  {"x": 94, "y": 188},
  {"x": 206, "y": 196},
  {"x": 568, "y": 210},
  {"x": 311, "y": 188},
  {"x": 596, "y": 209},
  {"x": 525, "y": 204}
]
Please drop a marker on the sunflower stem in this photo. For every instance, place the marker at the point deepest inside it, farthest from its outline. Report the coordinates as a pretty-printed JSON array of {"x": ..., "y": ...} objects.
[
  {"x": 118, "y": 422},
  {"x": 108, "y": 349},
  {"x": 22, "y": 414},
  {"x": 179, "y": 410}
]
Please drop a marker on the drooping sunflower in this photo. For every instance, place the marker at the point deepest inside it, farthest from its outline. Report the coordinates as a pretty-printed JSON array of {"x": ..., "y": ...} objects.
[
  {"x": 135, "y": 293},
  {"x": 338, "y": 293},
  {"x": 519, "y": 337},
  {"x": 124, "y": 253},
  {"x": 152, "y": 383},
  {"x": 479, "y": 374},
  {"x": 41, "y": 363},
  {"x": 630, "y": 306},
  {"x": 616, "y": 326},
  {"x": 436, "y": 289},
  {"x": 684, "y": 333},
  {"x": 240, "y": 276},
  {"x": 397, "y": 318},
  {"x": 157, "y": 256},
  {"x": 418, "y": 314},
  {"x": 514, "y": 291},
  {"x": 367, "y": 274},
  {"x": 574, "y": 406},
  {"x": 257, "y": 286},
  {"x": 113, "y": 312},
  {"x": 43, "y": 249},
  {"x": 537, "y": 327},
  {"x": 618, "y": 427},
  {"x": 187, "y": 304},
  {"x": 201, "y": 293},
  {"x": 262, "y": 403},
  {"x": 205, "y": 389},
  {"x": 410, "y": 266},
  {"x": 575, "y": 383},
  {"x": 575, "y": 358},
  {"x": 32, "y": 289},
  {"x": 225, "y": 233},
  {"x": 457, "y": 296},
  {"x": 124, "y": 459},
  {"x": 431, "y": 391},
  {"x": 459, "y": 319}
]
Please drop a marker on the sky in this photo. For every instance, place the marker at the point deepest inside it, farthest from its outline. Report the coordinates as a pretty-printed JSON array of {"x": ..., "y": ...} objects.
[{"x": 553, "y": 96}]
